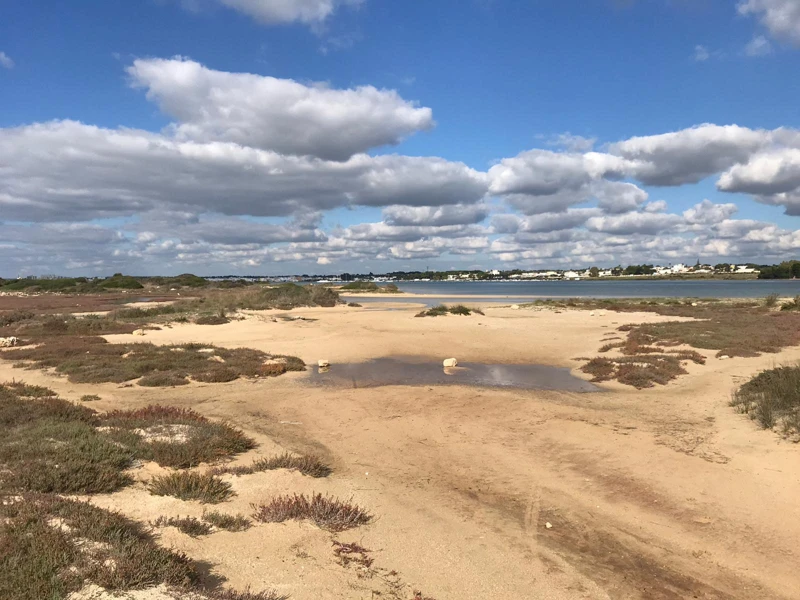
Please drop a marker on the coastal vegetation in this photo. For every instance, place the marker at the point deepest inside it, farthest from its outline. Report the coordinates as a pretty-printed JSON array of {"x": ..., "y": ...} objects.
[
  {"x": 325, "y": 512},
  {"x": 188, "y": 485},
  {"x": 443, "y": 310},
  {"x": 772, "y": 399},
  {"x": 307, "y": 465},
  {"x": 93, "y": 360}
]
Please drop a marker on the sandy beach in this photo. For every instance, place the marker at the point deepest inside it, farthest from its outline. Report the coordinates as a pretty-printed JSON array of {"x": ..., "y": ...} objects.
[{"x": 484, "y": 492}]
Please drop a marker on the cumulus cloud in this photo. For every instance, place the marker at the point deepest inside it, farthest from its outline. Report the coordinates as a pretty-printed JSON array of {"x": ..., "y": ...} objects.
[
  {"x": 5, "y": 61},
  {"x": 276, "y": 114},
  {"x": 64, "y": 169},
  {"x": 689, "y": 155},
  {"x": 631, "y": 223},
  {"x": 780, "y": 17},
  {"x": 436, "y": 216},
  {"x": 708, "y": 213}
]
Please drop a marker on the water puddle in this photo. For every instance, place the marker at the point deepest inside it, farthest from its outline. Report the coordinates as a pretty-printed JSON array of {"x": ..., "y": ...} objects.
[{"x": 402, "y": 371}]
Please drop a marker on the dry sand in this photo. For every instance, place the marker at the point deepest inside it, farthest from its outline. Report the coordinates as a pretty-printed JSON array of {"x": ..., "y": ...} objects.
[{"x": 664, "y": 493}]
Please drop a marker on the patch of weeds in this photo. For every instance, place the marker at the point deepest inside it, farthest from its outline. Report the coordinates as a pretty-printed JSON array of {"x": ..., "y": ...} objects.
[
  {"x": 168, "y": 379},
  {"x": 772, "y": 398},
  {"x": 16, "y": 316},
  {"x": 325, "y": 512},
  {"x": 442, "y": 310},
  {"x": 29, "y": 391},
  {"x": 348, "y": 554},
  {"x": 771, "y": 300},
  {"x": 227, "y": 522},
  {"x": 307, "y": 465},
  {"x": 51, "y": 546},
  {"x": 51, "y": 445},
  {"x": 92, "y": 360},
  {"x": 792, "y": 305},
  {"x": 175, "y": 437},
  {"x": 90, "y": 398},
  {"x": 186, "y": 485},
  {"x": 637, "y": 371},
  {"x": 212, "y": 320},
  {"x": 354, "y": 305},
  {"x": 189, "y": 525},
  {"x": 48, "y": 326},
  {"x": 246, "y": 595}
]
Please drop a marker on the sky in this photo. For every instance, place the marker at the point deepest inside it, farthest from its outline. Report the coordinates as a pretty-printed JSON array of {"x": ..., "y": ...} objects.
[{"x": 273, "y": 137}]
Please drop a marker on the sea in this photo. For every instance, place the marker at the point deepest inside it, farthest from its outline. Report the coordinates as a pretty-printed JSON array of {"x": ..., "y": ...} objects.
[{"x": 517, "y": 292}]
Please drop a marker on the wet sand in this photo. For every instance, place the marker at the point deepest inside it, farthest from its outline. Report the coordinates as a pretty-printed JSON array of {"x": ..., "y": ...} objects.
[{"x": 664, "y": 493}]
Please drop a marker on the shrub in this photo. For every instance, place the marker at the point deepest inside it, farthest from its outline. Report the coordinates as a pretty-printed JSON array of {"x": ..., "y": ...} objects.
[
  {"x": 191, "y": 486},
  {"x": 121, "y": 282},
  {"x": 771, "y": 300},
  {"x": 442, "y": 310},
  {"x": 167, "y": 379},
  {"x": 307, "y": 465},
  {"x": 90, "y": 398},
  {"x": 227, "y": 522},
  {"x": 793, "y": 304},
  {"x": 189, "y": 525},
  {"x": 326, "y": 512},
  {"x": 772, "y": 398},
  {"x": 51, "y": 546},
  {"x": 51, "y": 445},
  {"x": 191, "y": 438},
  {"x": 212, "y": 320},
  {"x": 354, "y": 305}
]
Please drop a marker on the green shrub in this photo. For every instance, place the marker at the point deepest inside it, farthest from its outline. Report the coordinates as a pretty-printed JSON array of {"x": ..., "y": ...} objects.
[{"x": 186, "y": 485}]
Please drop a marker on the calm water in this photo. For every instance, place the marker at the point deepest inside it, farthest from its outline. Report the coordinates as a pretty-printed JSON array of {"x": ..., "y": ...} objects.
[
  {"x": 447, "y": 292},
  {"x": 410, "y": 371}
]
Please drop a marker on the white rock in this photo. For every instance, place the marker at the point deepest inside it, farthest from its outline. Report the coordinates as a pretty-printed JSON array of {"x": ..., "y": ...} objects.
[
  {"x": 8, "y": 342},
  {"x": 694, "y": 303},
  {"x": 206, "y": 350},
  {"x": 139, "y": 332},
  {"x": 515, "y": 307},
  {"x": 548, "y": 525},
  {"x": 450, "y": 362},
  {"x": 591, "y": 314},
  {"x": 724, "y": 357},
  {"x": 323, "y": 363}
]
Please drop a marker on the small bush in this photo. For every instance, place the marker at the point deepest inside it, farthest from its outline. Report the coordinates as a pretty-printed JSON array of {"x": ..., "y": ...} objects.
[
  {"x": 90, "y": 398},
  {"x": 326, "y": 512},
  {"x": 354, "y": 305},
  {"x": 246, "y": 595},
  {"x": 29, "y": 391},
  {"x": 167, "y": 379},
  {"x": 51, "y": 546},
  {"x": 442, "y": 310},
  {"x": 792, "y": 305},
  {"x": 189, "y": 525},
  {"x": 307, "y": 465},
  {"x": 212, "y": 320},
  {"x": 771, "y": 300},
  {"x": 200, "y": 441},
  {"x": 772, "y": 398},
  {"x": 191, "y": 486},
  {"x": 227, "y": 522}
]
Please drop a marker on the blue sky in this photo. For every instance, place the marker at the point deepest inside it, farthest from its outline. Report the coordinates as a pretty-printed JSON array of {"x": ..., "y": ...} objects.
[{"x": 277, "y": 136}]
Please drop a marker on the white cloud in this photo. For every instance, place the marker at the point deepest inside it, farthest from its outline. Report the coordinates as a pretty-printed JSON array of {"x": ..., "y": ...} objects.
[
  {"x": 64, "y": 169},
  {"x": 780, "y": 17},
  {"x": 758, "y": 46},
  {"x": 5, "y": 61},
  {"x": 701, "y": 53},
  {"x": 689, "y": 155},
  {"x": 457, "y": 214},
  {"x": 631, "y": 223},
  {"x": 276, "y": 114},
  {"x": 708, "y": 213},
  {"x": 276, "y": 12}
]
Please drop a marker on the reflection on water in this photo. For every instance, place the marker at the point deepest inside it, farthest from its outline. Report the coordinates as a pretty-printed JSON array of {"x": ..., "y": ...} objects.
[{"x": 407, "y": 371}]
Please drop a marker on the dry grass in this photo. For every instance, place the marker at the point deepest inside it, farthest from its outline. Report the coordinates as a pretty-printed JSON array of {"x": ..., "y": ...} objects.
[
  {"x": 325, "y": 512},
  {"x": 772, "y": 398},
  {"x": 186, "y": 485},
  {"x": 212, "y": 320},
  {"x": 307, "y": 465},
  {"x": 92, "y": 360},
  {"x": 246, "y": 595},
  {"x": 191, "y": 526},
  {"x": 52, "y": 546},
  {"x": 90, "y": 398},
  {"x": 227, "y": 522},
  {"x": 352, "y": 554}
]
